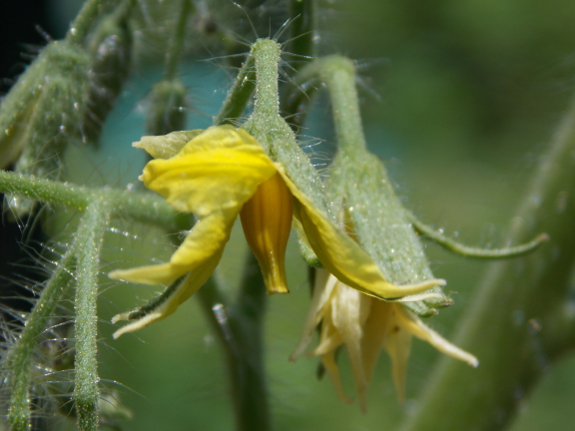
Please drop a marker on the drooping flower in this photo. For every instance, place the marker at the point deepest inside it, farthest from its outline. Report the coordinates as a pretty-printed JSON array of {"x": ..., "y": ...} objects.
[
  {"x": 365, "y": 325},
  {"x": 217, "y": 174}
]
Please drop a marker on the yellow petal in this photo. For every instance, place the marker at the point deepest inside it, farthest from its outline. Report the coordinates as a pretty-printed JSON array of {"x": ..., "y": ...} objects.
[
  {"x": 323, "y": 288},
  {"x": 266, "y": 219},
  {"x": 169, "y": 300},
  {"x": 349, "y": 308},
  {"x": 206, "y": 239},
  {"x": 414, "y": 325},
  {"x": 343, "y": 257},
  {"x": 332, "y": 369},
  {"x": 164, "y": 147},
  {"x": 374, "y": 330},
  {"x": 218, "y": 169},
  {"x": 397, "y": 343}
]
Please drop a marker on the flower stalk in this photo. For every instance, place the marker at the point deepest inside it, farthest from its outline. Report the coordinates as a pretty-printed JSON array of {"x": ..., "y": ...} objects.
[
  {"x": 89, "y": 237},
  {"x": 18, "y": 361}
]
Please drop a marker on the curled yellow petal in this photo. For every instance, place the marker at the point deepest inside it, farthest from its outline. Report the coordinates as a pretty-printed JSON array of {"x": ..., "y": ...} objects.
[
  {"x": 161, "y": 307},
  {"x": 322, "y": 293},
  {"x": 164, "y": 147},
  {"x": 364, "y": 325},
  {"x": 206, "y": 239},
  {"x": 414, "y": 325},
  {"x": 218, "y": 169},
  {"x": 343, "y": 257}
]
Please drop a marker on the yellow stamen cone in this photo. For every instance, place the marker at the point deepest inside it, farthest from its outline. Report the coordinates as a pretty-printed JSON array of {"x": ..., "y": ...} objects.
[{"x": 266, "y": 219}]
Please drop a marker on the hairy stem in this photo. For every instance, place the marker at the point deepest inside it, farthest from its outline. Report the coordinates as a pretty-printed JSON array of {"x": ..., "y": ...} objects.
[
  {"x": 19, "y": 357},
  {"x": 89, "y": 238},
  {"x": 84, "y": 22},
  {"x": 520, "y": 320},
  {"x": 479, "y": 253},
  {"x": 239, "y": 95},
  {"x": 141, "y": 207}
]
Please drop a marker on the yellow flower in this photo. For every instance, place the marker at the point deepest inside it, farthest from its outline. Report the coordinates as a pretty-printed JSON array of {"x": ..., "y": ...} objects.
[
  {"x": 365, "y": 325},
  {"x": 216, "y": 175}
]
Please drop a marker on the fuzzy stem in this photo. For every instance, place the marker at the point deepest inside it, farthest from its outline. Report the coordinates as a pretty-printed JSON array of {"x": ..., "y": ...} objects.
[
  {"x": 338, "y": 73},
  {"x": 89, "y": 238},
  {"x": 267, "y": 56},
  {"x": 479, "y": 253},
  {"x": 239, "y": 95},
  {"x": 520, "y": 321},
  {"x": 141, "y": 207},
  {"x": 84, "y": 22},
  {"x": 19, "y": 357}
]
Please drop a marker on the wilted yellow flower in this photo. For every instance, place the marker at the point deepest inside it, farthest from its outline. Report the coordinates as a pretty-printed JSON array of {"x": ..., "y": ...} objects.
[
  {"x": 216, "y": 175},
  {"x": 365, "y": 325}
]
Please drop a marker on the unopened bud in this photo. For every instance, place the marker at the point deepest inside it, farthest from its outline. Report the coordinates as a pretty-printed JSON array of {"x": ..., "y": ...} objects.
[
  {"x": 111, "y": 58},
  {"x": 167, "y": 111},
  {"x": 266, "y": 219},
  {"x": 38, "y": 127}
]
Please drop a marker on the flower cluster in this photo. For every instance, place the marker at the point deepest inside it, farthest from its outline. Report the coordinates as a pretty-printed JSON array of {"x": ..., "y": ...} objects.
[
  {"x": 223, "y": 172},
  {"x": 218, "y": 174},
  {"x": 365, "y": 325}
]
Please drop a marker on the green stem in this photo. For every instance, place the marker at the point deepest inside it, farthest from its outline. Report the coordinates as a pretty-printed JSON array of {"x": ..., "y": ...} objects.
[
  {"x": 89, "y": 238},
  {"x": 480, "y": 253},
  {"x": 267, "y": 56},
  {"x": 141, "y": 207},
  {"x": 19, "y": 358},
  {"x": 302, "y": 31},
  {"x": 176, "y": 46},
  {"x": 519, "y": 322},
  {"x": 239, "y": 95},
  {"x": 239, "y": 329},
  {"x": 338, "y": 73},
  {"x": 84, "y": 22}
]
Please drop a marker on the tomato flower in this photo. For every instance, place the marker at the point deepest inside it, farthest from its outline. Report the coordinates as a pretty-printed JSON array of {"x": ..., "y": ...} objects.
[
  {"x": 218, "y": 174},
  {"x": 365, "y": 325}
]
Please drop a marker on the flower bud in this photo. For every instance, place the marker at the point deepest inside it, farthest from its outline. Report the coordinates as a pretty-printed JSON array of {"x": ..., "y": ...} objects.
[
  {"x": 266, "y": 219},
  {"x": 111, "y": 57},
  {"x": 36, "y": 129},
  {"x": 167, "y": 111}
]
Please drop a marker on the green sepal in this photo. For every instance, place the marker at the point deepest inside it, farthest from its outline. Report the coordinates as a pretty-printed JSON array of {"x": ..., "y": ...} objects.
[
  {"x": 42, "y": 114},
  {"x": 381, "y": 225}
]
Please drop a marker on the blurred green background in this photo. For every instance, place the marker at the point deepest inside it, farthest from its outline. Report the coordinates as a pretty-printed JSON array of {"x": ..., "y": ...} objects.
[{"x": 459, "y": 99}]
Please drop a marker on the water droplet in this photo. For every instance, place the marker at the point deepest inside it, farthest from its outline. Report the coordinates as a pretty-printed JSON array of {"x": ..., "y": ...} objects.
[
  {"x": 534, "y": 326},
  {"x": 208, "y": 342}
]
